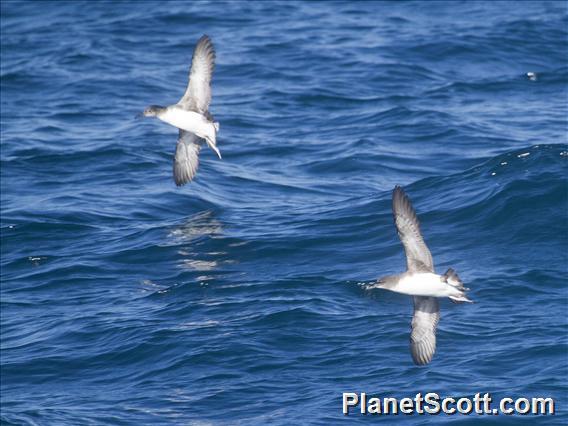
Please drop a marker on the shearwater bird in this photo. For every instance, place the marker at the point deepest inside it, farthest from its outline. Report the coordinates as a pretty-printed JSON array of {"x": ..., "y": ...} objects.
[
  {"x": 420, "y": 280},
  {"x": 191, "y": 114}
]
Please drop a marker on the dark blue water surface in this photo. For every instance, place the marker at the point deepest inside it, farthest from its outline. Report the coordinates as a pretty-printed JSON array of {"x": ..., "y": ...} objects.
[{"x": 239, "y": 298}]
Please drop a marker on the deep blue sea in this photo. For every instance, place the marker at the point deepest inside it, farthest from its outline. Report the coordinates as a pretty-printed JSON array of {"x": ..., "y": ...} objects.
[{"x": 240, "y": 298}]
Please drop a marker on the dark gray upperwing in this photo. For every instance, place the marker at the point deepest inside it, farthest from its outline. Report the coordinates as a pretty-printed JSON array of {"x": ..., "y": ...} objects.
[
  {"x": 418, "y": 257},
  {"x": 424, "y": 323},
  {"x": 186, "y": 160},
  {"x": 197, "y": 96}
]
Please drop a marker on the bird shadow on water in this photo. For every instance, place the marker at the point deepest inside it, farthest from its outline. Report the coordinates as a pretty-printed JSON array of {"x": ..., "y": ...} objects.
[
  {"x": 197, "y": 226},
  {"x": 201, "y": 249}
]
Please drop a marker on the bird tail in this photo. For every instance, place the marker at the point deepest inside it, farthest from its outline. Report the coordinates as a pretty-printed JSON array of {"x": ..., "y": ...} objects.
[
  {"x": 211, "y": 137},
  {"x": 213, "y": 146},
  {"x": 460, "y": 299},
  {"x": 451, "y": 277}
]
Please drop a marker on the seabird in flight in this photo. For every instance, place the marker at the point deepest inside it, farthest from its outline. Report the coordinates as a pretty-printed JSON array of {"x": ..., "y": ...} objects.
[
  {"x": 191, "y": 114},
  {"x": 420, "y": 280}
]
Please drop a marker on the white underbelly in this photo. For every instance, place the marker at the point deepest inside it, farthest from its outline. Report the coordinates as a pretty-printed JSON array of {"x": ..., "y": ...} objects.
[
  {"x": 190, "y": 121},
  {"x": 424, "y": 284}
]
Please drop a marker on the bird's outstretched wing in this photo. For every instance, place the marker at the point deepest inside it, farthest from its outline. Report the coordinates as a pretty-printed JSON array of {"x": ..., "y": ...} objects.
[
  {"x": 197, "y": 96},
  {"x": 186, "y": 159},
  {"x": 423, "y": 335},
  {"x": 418, "y": 257}
]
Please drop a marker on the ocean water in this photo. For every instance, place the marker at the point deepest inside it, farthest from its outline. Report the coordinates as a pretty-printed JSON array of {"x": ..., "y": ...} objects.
[{"x": 240, "y": 298}]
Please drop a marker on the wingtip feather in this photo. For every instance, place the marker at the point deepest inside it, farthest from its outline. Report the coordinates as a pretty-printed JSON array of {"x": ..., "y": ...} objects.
[{"x": 401, "y": 203}]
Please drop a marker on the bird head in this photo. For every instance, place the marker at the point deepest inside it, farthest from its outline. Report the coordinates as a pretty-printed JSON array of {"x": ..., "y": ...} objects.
[
  {"x": 386, "y": 282},
  {"x": 152, "y": 111}
]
